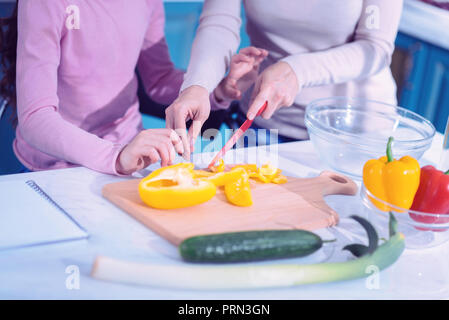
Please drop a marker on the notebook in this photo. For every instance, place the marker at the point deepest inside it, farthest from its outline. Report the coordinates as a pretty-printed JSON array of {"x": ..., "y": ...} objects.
[{"x": 29, "y": 217}]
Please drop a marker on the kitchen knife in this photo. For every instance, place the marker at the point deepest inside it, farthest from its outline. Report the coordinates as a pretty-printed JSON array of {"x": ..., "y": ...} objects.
[{"x": 236, "y": 136}]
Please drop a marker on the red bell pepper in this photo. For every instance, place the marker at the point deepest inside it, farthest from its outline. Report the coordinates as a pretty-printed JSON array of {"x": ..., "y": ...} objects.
[{"x": 432, "y": 195}]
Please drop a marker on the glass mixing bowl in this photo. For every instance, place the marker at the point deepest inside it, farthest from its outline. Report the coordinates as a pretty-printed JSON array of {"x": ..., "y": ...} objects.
[
  {"x": 421, "y": 229},
  {"x": 347, "y": 132}
]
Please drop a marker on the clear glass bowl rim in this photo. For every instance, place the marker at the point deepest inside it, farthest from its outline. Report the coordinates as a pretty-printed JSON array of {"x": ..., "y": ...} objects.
[
  {"x": 314, "y": 125},
  {"x": 366, "y": 194}
]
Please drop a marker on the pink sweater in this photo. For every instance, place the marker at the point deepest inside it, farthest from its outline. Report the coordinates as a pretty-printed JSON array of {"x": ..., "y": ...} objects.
[
  {"x": 76, "y": 84},
  {"x": 335, "y": 47}
]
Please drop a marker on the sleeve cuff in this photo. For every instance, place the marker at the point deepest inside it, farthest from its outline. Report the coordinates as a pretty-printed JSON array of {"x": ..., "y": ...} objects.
[
  {"x": 215, "y": 105},
  {"x": 298, "y": 63},
  {"x": 117, "y": 148}
]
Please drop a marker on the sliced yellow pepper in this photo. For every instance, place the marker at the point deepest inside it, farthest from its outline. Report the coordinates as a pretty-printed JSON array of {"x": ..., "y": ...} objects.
[
  {"x": 393, "y": 181},
  {"x": 279, "y": 179},
  {"x": 180, "y": 186},
  {"x": 268, "y": 171},
  {"x": 219, "y": 167},
  {"x": 265, "y": 174},
  {"x": 223, "y": 178},
  {"x": 170, "y": 171},
  {"x": 238, "y": 192},
  {"x": 251, "y": 169},
  {"x": 198, "y": 174},
  {"x": 174, "y": 187}
]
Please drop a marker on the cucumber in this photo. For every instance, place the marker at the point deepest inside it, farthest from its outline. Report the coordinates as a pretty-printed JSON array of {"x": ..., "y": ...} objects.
[{"x": 250, "y": 246}]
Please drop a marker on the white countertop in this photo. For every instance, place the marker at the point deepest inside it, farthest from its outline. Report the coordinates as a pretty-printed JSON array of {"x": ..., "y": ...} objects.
[{"x": 39, "y": 272}]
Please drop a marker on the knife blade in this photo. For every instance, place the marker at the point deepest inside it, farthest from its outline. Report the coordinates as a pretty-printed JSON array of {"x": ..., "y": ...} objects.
[{"x": 236, "y": 136}]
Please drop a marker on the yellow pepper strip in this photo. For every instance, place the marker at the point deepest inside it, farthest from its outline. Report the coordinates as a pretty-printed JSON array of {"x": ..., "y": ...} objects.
[
  {"x": 268, "y": 170},
  {"x": 249, "y": 168},
  {"x": 393, "y": 181},
  {"x": 198, "y": 174},
  {"x": 261, "y": 178},
  {"x": 265, "y": 174},
  {"x": 222, "y": 178},
  {"x": 238, "y": 192},
  {"x": 170, "y": 171},
  {"x": 174, "y": 187},
  {"x": 219, "y": 167},
  {"x": 279, "y": 179}
]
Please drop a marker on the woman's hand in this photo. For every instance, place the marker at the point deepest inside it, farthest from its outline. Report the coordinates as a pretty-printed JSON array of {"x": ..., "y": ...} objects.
[
  {"x": 278, "y": 85},
  {"x": 148, "y": 147},
  {"x": 242, "y": 74},
  {"x": 192, "y": 104}
]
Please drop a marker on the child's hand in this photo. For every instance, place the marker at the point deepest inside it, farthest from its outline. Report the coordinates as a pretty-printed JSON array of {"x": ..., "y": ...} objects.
[
  {"x": 242, "y": 73},
  {"x": 148, "y": 147}
]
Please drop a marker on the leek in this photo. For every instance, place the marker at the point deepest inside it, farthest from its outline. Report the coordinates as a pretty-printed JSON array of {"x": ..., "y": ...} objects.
[{"x": 248, "y": 276}]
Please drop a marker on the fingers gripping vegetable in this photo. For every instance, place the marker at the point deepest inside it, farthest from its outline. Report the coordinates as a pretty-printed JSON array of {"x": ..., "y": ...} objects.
[
  {"x": 249, "y": 275},
  {"x": 175, "y": 187},
  {"x": 393, "y": 181}
]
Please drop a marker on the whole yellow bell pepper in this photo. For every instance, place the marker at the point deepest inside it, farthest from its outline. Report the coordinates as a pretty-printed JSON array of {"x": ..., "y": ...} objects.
[
  {"x": 174, "y": 187},
  {"x": 393, "y": 181}
]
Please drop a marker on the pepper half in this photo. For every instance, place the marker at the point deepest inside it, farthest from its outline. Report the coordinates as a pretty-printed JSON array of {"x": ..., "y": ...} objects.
[
  {"x": 393, "y": 181},
  {"x": 174, "y": 187}
]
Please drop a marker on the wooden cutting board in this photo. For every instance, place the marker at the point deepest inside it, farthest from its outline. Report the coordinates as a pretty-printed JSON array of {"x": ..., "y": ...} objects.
[{"x": 296, "y": 204}]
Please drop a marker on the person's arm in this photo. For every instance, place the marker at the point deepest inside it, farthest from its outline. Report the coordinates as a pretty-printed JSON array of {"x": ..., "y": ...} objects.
[
  {"x": 41, "y": 25},
  {"x": 216, "y": 41},
  {"x": 369, "y": 52},
  {"x": 160, "y": 78}
]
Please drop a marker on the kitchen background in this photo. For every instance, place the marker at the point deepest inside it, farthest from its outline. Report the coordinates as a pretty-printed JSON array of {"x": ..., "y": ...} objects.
[{"x": 420, "y": 64}]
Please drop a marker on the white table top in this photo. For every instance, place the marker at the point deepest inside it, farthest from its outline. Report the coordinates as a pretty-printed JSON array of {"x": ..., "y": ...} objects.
[{"x": 39, "y": 272}]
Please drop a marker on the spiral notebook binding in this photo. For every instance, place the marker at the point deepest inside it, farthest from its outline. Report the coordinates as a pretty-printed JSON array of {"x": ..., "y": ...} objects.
[{"x": 44, "y": 195}]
